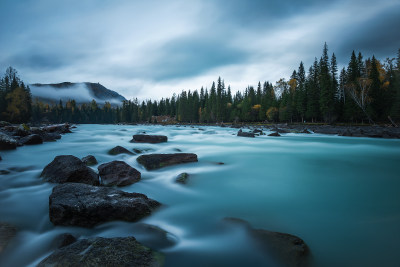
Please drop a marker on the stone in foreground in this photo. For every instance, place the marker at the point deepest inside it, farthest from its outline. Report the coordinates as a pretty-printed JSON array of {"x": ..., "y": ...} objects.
[
  {"x": 287, "y": 249},
  {"x": 99, "y": 251},
  {"x": 118, "y": 173},
  {"x": 156, "y": 161},
  {"x": 153, "y": 139},
  {"x": 69, "y": 169},
  {"x": 86, "y": 205}
]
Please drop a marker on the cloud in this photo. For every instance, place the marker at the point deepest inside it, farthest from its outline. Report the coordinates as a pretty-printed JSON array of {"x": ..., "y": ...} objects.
[{"x": 154, "y": 48}]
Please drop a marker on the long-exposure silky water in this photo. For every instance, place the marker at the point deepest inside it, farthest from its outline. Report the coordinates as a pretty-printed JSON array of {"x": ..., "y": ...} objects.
[{"x": 339, "y": 194}]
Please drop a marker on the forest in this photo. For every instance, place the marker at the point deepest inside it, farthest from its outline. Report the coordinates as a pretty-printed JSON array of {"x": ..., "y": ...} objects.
[{"x": 366, "y": 91}]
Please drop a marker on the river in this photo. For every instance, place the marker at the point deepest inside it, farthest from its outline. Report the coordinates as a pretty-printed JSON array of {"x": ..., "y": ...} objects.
[{"x": 341, "y": 195}]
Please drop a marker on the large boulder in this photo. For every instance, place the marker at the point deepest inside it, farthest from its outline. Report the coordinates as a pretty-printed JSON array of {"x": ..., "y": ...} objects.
[
  {"x": 118, "y": 173},
  {"x": 287, "y": 249},
  {"x": 156, "y": 161},
  {"x": 7, "y": 232},
  {"x": 153, "y": 139},
  {"x": 6, "y": 142},
  {"x": 245, "y": 134},
  {"x": 33, "y": 139},
  {"x": 86, "y": 205},
  {"x": 89, "y": 160},
  {"x": 68, "y": 169},
  {"x": 119, "y": 150},
  {"x": 99, "y": 251}
]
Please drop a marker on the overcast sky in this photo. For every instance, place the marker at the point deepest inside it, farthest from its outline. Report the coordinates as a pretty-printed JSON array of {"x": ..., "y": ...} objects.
[{"x": 151, "y": 49}]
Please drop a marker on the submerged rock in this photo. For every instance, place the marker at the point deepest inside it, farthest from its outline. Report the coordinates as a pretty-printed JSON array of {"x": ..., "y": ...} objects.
[
  {"x": 86, "y": 205},
  {"x": 68, "y": 168},
  {"x": 245, "y": 134},
  {"x": 7, "y": 142},
  {"x": 7, "y": 232},
  {"x": 118, "y": 173},
  {"x": 119, "y": 150},
  {"x": 89, "y": 160},
  {"x": 65, "y": 240},
  {"x": 99, "y": 251},
  {"x": 287, "y": 249},
  {"x": 155, "y": 237},
  {"x": 274, "y": 134},
  {"x": 182, "y": 178},
  {"x": 156, "y": 161},
  {"x": 153, "y": 139},
  {"x": 33, "y": 139}
]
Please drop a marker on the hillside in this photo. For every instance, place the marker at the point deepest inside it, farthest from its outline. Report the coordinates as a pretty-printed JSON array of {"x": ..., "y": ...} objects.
[{"x": 80, "y": 92}]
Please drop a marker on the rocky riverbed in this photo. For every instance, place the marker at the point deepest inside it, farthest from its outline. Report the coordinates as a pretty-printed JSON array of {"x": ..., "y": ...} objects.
[{"x": 168, "y": 196}]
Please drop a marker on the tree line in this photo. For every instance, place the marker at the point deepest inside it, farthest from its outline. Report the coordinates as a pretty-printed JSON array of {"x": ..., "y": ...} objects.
[{"x": 364, "y": 91}]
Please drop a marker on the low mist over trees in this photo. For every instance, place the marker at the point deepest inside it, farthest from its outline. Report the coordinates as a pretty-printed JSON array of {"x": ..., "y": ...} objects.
[{"x": 367, "y": 90}]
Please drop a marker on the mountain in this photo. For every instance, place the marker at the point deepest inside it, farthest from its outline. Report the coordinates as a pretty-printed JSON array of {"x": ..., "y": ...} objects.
[{"x": 80, "y": 92}]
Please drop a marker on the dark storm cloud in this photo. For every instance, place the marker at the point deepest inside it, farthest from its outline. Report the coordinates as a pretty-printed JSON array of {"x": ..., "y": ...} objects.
[
  {"x": 137, "y": 46},
  {"x": 379, "y": 36},
  {"x": 191, "y": 56}
]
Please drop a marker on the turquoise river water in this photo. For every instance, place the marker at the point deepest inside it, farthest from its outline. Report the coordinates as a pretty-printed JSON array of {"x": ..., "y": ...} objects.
[{"x": 341, "y": 195}]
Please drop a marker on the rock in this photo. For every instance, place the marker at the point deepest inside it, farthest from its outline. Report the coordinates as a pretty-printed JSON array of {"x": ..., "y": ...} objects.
[
  {"x": 59, "y": 128},
  {"x": 258, "y": 131},
  {"x": 156, "y": 161},
  {"x": 118, "y": 173},
  {"x": 155, "y": 237},
  {"x": 33, "y": 139},
  {"x": 65, "y": 240},
  {"x": 153, "y": 139},
  {"x": 245, "y": 134},
  {"x": 21, "y": 131},
  {"x": 86, "y": 205},
  {"x": 99, "y": 251},
  {"x": 287, "y": 249},
  {"x": 1, "y": 158},
  {"x": 305, "y": 131},
  {"x": 182, "y": 178},
  {"x": 50, "y": 137},
  {"x": 119, "y": 150},
  {"x": 4, "y": 123},
  {"x": 6, "y": 142},
  {"x": 274, "y": 134},
  {"x": 68, "y": 168},
  {"x": 7, "y": 232},
  {"x": 89, "y": 160},
  {"x": 4, "y": 172}
]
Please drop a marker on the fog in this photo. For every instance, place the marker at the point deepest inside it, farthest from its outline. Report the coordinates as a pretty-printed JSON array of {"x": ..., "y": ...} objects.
[{"x": 78, "y": 92}]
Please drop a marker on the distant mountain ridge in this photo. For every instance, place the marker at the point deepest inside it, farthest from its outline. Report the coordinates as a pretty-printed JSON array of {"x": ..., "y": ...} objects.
[{"x": 81, "y": 92}]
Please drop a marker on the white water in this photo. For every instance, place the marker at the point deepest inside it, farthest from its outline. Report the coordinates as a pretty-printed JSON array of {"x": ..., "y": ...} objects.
[{"x": 340, "y": 195}]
